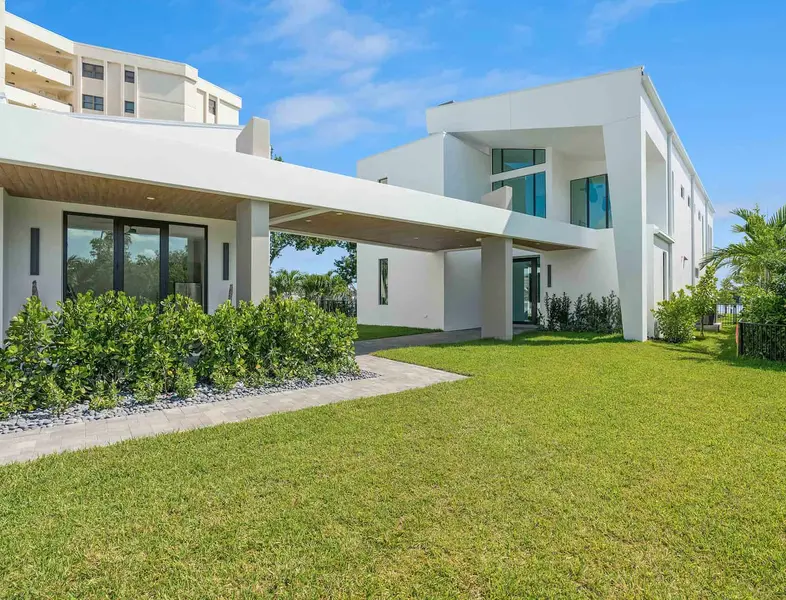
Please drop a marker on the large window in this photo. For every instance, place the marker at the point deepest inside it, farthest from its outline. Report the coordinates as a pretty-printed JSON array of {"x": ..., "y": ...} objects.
[
  {"x": 383, "y": 281},
  {"x": 590, "y": 205},
  {"x": 504, "y": 160},
  {"x": 92, "y": 71},
  {"x": 93, "y": 102},
  {"x": 529, "y": 193},
  {"x": 106, "y": 253}
]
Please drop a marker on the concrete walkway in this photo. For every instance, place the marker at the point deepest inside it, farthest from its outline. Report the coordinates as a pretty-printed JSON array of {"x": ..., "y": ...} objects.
[
  {"x": 427, "y": 339},
  {"x": 393, "y": 377}
]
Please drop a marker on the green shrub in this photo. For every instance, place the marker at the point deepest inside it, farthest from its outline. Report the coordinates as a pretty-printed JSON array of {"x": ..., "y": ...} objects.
[
  {"x": 96, "y": 344},
  {"x": 185, "y": 382},
  {"x": 587, "y": 315},
  {"x": 104, "y": 396},
  {"x": 147, "y": 389},
  {"x": 676, "y": 318}
]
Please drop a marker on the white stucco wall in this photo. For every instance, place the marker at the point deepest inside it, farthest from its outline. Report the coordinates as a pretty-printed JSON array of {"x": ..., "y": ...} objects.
[
  {"x": 418, "y": 165},
  {"x": 577, "y": 272},
  {"x": 20, "y": 214},
  {"x": 466, "y": 170},
  {"x": 415, "y": 287},
  {"x": 462, "y": 290}
]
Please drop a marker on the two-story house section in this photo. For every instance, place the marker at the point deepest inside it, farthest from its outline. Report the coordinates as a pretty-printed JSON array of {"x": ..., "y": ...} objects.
[{"x": 597, "y": 154}]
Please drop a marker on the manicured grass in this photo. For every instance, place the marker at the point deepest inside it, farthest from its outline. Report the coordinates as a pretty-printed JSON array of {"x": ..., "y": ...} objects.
[
  {"x": 568, "y": 466},
  {"x": 374, "y": 332}
]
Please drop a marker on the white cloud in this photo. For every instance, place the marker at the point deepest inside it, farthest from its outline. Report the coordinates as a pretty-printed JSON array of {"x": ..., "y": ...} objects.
[
  {"x": 306, "y": 110},
  {"x": 607, "y": 15}
]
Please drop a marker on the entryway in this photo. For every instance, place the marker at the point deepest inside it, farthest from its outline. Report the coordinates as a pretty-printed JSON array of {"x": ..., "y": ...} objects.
[{"x": 526, "y": 275}]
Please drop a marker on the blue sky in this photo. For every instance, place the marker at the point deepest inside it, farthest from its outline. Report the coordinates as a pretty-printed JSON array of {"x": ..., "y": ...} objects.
[{"x": 344, "y": 79}]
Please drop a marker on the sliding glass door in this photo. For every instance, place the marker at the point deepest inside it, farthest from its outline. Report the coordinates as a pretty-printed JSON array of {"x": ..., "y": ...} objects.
[{"x": 146, "y": 259}]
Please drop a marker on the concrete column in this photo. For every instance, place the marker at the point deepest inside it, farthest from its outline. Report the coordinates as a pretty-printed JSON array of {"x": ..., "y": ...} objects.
[
  {"x": 253, "y": 250},
  {"x": 626, "y": 164},
  {"x": 2, "y": 52},
  {"x": 496, "y": 274},
  {"x": 4, "y": 319}
]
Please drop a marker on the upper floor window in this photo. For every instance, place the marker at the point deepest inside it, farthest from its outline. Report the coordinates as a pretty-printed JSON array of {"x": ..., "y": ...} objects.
[
  {"x": 211, "y": 106},
  {"x": 93, "y": 102},
  {"x": 682, "y": 191},
  {"x": 529, "y": 193},
  {"x": 590, "y": 205},
  {"x": 130, "y": 76},
  {"x": 129, "y": 107},
  {"x": 512, "y": 159},
  {"x": 92, "y": 71}
]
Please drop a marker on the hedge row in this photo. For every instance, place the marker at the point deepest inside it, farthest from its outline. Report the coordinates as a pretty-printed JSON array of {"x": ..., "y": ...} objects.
[{"x": 95, "y": 347}]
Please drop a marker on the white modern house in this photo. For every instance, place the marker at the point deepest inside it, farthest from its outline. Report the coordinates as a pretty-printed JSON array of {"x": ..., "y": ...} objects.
[
  {"x": 594, "y": 172},
  {"x": 41, "y": 69},
  {"x": 177, "y": 198}
]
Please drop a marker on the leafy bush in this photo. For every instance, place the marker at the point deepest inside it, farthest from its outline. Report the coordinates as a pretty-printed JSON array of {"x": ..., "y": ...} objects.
[
  {"x": 96, "y": 346},
  {"x": 587, "y": 315},
  {"x": 676, "y": 318}
]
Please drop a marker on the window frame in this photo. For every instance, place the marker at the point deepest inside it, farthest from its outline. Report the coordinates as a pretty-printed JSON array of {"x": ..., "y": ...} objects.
[
  {"x": 383, "y": 276},
  {"x": 118, "y": 222},
  {"x": 212, "y": 106},
  {"x": 126, "y": 104},
  {"x": 92, "y": 71},
  {"x": 131, "y": 73},
  {"x": 498, "y": 159},
  {"x": 586, "y": 180},
  {"x": 93, "y": 102}
]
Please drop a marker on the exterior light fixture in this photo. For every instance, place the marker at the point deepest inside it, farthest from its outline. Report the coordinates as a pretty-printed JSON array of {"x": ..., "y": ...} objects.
[{"x": 151, "y": 198}]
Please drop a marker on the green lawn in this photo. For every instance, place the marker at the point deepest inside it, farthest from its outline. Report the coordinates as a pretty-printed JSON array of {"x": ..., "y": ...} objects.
[
  {"x": 567, "y": 467},
  {"x": 374, "y": 332}
]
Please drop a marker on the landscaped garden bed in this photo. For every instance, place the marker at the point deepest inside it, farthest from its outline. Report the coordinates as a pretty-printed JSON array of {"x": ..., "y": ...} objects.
[{"x": 110, "y": 355}]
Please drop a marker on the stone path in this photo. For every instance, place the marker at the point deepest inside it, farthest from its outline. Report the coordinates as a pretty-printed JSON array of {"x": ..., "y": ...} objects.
[
  {"x": 393, "y": 377},
  {"x": 427, "y": 339}
]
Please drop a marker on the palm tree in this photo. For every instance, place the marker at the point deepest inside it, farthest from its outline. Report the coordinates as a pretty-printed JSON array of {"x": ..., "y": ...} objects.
[
  {"x": 285, "y": 284},
  {"x": 762, "y": 252}
]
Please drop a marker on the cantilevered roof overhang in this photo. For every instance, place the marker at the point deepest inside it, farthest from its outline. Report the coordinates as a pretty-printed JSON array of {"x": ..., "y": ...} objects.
[{"x": 54, "y": 157}]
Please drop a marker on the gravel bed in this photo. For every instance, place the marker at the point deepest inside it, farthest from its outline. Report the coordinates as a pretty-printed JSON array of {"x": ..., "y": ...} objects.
[{"x": 203, "y": 394}]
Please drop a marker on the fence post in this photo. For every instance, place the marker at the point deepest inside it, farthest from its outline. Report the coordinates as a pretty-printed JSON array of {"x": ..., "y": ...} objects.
[{"x": 740, "y": 336}]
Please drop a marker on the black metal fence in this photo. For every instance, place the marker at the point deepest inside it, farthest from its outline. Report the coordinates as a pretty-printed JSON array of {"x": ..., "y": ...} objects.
[
  {"x": 727, "y": 315},
  {"x": 759, "y": 340},
  {"x": 347, "y": 306}
]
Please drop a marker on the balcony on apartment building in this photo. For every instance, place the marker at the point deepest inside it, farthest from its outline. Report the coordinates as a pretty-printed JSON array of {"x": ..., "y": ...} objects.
[{"x": 39, "y": 66}]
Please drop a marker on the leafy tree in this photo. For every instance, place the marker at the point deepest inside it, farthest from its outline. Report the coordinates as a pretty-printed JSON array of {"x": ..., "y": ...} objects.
[
  {"x": 285, "y": 284},
  {"x": 346, "y": 266},
  {"x": 704, "y": 295},
  {"x": 729, "y": 292},
  {"x": 761, "y": 256}
]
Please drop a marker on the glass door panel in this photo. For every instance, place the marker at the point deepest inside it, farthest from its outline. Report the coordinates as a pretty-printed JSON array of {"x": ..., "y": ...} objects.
[
  {"x": 142, "y": 261},
  {"x": 187, "y": 253},
  {"x": 522, "y": 291},
  {"x": 89, "y": 255}
]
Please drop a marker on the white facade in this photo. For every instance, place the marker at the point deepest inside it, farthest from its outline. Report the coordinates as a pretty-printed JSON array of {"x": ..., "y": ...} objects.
[
  {"x": 610, "y": 125},
  {"x": 41, "y": 69}
]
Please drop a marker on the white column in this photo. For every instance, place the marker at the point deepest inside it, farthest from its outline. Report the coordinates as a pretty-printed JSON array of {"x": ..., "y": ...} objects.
[
  {"x": 496, "y": 274},
  {"x": 252, "y": 263},
  {"x": 2, "y": 52},
  {"x": 625, "y": 162},
  {"x": 4, "y": 319}
]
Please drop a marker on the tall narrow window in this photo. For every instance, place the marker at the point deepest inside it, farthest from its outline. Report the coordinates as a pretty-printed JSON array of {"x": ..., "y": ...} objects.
[
  {"x": 548, "y": 276},
  {"x": 590, "y": 204},
  {"x": 383, "y": 281},
  {"x": 211, "y": 106},
  {"x": 35, "y": 251},
  {"x": 225, "y": 261},
  {"x": 665, "y": 294}
]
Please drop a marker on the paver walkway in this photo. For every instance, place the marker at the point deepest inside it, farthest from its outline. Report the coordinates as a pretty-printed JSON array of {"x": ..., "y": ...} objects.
[
  {"x": 427, "y": 339},
  {"x": 393, "y": 377}
]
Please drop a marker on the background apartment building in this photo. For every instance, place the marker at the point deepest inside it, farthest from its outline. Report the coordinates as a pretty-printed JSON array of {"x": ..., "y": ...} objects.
[{"x": 41, "y": 69}]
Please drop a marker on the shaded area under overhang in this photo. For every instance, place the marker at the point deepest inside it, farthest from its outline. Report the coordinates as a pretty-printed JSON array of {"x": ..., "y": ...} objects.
[{"x": 26, "y": 181}]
